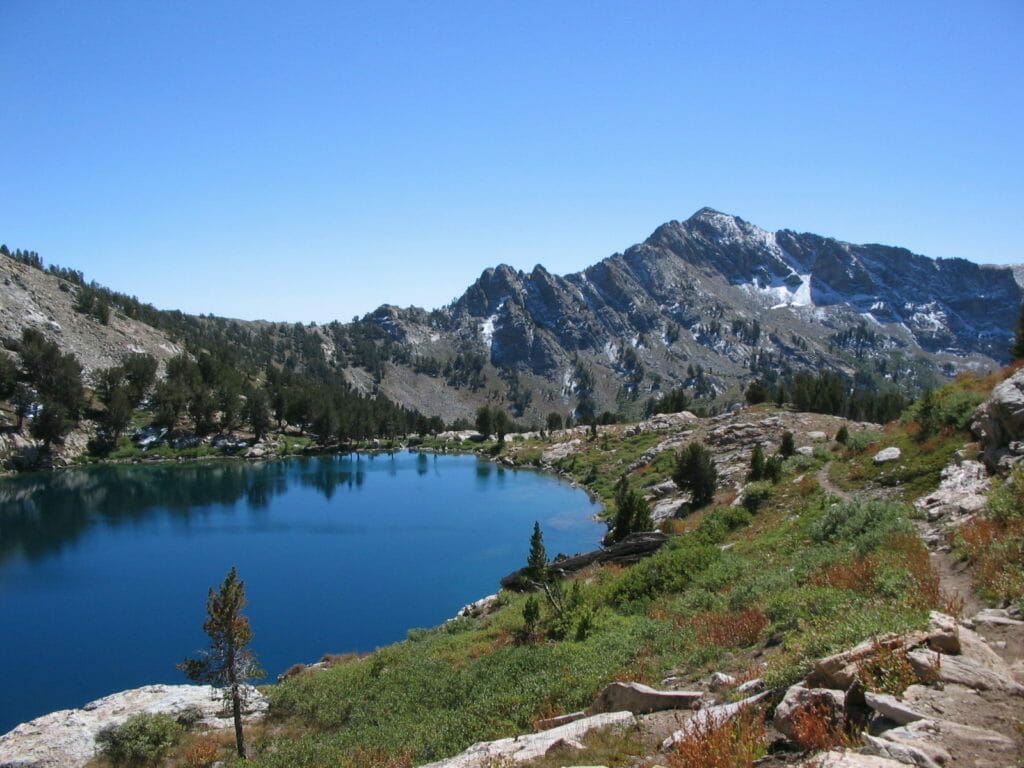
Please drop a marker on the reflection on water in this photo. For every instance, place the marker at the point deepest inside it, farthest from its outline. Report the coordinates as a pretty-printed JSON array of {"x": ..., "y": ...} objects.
[{"x": 42, "y": 512}]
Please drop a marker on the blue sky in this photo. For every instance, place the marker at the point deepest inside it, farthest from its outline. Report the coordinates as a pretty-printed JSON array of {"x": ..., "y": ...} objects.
[{"x": 310, "y": 161}]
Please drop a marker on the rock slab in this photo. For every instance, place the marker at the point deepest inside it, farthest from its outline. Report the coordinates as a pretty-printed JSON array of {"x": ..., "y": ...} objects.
[{"x": 67, "y": 739}]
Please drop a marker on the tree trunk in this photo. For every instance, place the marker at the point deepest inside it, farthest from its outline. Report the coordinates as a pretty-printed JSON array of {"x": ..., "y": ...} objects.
[{"x": 236, "y": 712}]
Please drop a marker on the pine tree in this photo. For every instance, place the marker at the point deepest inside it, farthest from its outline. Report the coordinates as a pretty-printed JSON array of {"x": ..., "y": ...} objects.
[
  {"x": 118, "y": 414},
  {"x": 788, "y": 446},
  {"x": 622, "y": 522},
  {"x": 51, "y": 423},
  {"x": 228, "y": 663},
  {"x": 756, "y": 464},
  {"x": 695, "y": 472},
  {"x": 257, "y": 412},
  {"x": 927, "y": 416},
  {"x": 537, "y": 561}
]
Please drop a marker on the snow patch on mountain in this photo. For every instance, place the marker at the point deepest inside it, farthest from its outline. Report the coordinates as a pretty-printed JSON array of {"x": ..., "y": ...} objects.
[
  {"x": 488, "y": 325},
  {"x": 783, "y": 292}
]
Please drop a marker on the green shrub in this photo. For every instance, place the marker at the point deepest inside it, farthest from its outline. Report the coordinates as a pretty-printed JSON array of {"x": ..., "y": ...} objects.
[
  {"x": 858, "y": 441},
  {"x": 863, "y": 524},
  {"x": 142, "y": 739},
  {"x": 670, "y": 570},
  {"x": 1006, "y": 501},
  {"x": 755, "y": 495}
]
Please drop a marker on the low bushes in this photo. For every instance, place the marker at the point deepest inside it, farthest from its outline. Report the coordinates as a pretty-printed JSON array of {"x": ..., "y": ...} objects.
[{"x": 141, "y": 740}]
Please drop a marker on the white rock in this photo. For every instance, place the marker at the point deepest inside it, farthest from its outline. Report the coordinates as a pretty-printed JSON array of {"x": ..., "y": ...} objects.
[
  {"x": 67, "y": 739},
  {"x": 846, "y": 759},
  {"x": 721, "y": 680},
  {"x": 642, "y": 699},
  {"x": 718, "y": 714},
  {"x": 964, "y": 671},
  {"x": 901, "y": 753},
  {"x": 887, "y": 454},
  {"x": 560, "y": 451},
  {"x": 892, "y": 708},
  {"x": 529, "y": 746},
  {"x": 799, "y": 698}
]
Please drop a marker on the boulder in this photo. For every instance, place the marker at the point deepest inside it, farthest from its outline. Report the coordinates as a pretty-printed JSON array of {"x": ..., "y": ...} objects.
[
  {"x": 720, "y": 680},
  {"x": 995, "y": 617},
  {"x": 892, "y": 708},
  {"x": 844, "y": 758},
  {"x": 999, "y": 421},
  {"x": 529, "y": 746},
  {"x": 751, "y": 686},
  {"x": 801, "y": 699},
  {"x": 887, "y": 454},
  {"x": 666, "y": 509},
  {"x": 903, "y": 753},
  {"x": 943, "y": 633},
  {"x": 560, "y": 451},
  {"x": 716, "y": 714},
  {"x": 482, "y": 607},
  {"x": 641, "y": 699},
  {"x": 67, "y": 739},
  {"x": 931, "y": 667},
  {"x": 932, "y": 737},
  {"x": 840, "y": 670}
]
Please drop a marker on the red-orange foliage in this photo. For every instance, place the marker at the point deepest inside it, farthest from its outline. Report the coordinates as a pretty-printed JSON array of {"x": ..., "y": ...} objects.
[
  {"x": 728, "y": 629},
  {"x": 720, "y": 742}
]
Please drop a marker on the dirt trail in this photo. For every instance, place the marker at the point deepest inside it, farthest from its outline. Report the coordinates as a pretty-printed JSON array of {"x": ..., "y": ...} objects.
[
  {"x": 828, "y": 486},
  {"x": 954, "y": 576}
]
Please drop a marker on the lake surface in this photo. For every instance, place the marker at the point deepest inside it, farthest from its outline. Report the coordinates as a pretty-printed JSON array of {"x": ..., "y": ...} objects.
[{"x": 104, "y": 572}]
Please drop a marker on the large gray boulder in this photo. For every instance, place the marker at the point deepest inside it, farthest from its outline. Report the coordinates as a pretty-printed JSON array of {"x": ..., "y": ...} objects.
[
  {"x": 529, "y": 746},
  {"x": 999, "y": 421},
  {"x": 829, "y": 702},
  {"x": 641, "y": 699}
]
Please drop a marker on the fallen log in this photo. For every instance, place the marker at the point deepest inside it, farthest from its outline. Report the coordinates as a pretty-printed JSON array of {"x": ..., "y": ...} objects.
[{"x": 632, "y": 549}]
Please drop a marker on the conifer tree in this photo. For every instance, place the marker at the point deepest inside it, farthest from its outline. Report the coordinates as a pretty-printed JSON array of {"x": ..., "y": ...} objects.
[
  {"x": 537, "y": 561},
  {"x": 788, "y": 447},
  {"x": 756, "y": 464},
  {"x": 695, "y": 472},
  {"x": 228, "y": 663}
]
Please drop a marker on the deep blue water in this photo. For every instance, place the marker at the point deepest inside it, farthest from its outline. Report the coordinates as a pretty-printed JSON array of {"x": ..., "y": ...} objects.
[{"x": 104, "y": 571}]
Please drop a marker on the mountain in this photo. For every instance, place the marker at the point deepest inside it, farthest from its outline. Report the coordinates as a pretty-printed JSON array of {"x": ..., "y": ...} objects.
[
  {"x": 708, "y": 305},
  {"x": 714, "y": 301}
]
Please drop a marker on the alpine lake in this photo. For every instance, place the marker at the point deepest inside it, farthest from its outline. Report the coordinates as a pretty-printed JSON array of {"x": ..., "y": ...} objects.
[{"x": 104, "y": 571}]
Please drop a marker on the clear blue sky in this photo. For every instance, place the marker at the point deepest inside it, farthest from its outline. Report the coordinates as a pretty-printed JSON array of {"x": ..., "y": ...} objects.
[{"x": 312, "y": 160}]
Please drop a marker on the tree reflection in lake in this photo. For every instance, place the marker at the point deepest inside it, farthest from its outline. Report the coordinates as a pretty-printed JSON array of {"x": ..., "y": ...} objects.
[{"x": 40, "y": 513}]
